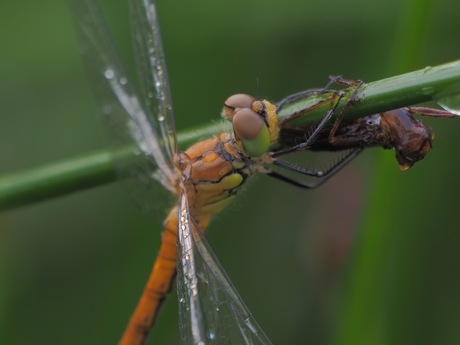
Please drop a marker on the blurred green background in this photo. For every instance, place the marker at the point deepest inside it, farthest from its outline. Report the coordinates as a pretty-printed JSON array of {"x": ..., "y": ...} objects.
[{"x": 370, "y": 258}]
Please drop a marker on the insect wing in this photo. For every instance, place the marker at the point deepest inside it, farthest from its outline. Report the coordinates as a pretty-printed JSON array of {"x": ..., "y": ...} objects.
[
  {"x": 152, "y": 71},
  {"x": 210, "y": 309},
  {"x": 139, "y": 152}
]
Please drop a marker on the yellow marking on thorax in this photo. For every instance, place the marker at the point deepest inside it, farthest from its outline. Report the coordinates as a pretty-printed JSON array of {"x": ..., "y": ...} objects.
[
  {"x": 213, "y": 179},
  {"x": 227, "y": 183},
  {"x": 217, "y": 206},
  {"x": 210, "y": 195}
]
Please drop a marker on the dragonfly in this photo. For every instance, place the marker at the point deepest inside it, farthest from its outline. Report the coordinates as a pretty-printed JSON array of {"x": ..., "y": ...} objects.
[{"x": 205, "y": 177}]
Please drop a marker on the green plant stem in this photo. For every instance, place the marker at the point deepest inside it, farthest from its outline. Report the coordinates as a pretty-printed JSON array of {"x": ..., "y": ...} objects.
[
  {"x": 369, "y": 302},
  {"x": 94, "y": 169},
  {"x": 424, "y": 85},
  {"x": 56, "y": 179}
]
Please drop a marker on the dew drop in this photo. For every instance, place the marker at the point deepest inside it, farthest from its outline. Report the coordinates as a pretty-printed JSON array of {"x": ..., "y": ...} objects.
[
  {"x": 449, "y": 99},
  {"x": 109, "y": 73},
  {"x": 123, "y": 81},
  {"x": 450, "y": 103}
]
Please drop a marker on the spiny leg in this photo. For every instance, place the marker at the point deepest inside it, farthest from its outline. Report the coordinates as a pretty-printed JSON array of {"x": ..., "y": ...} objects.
[
  {"x": 357, "y": 84},
  {"x": 323, "y": 175},
  {"x": 299, "y": 95},
  {"x": 335, "y": 100},
  {"x": 430, "y": 112}
]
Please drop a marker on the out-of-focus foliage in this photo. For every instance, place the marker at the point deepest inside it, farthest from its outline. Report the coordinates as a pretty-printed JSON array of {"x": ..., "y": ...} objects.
[{"x": 71, "y": 269}]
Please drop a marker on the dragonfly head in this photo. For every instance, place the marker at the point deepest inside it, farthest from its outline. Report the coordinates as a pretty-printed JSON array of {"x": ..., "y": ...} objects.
[{"x": 255, "y": 123}]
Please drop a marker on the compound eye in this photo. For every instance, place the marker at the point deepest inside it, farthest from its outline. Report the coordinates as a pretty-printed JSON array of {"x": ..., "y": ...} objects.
[
  {"x": 250, "y": 129},
  {"x": 247, "y": 124},
  {"x": 235, "y": 103}
]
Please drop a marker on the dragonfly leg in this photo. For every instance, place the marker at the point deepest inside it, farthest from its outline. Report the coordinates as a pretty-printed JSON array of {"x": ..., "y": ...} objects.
[
  {"x": 332, "y": 95},
  {"x": 299, "y": 95},
  {"x": 323, "y": 175},
  {"x": 352, "y": 99},
  {"x": 349, "y": 140},
  {"x": 337, "y": 79},
  {"x": 422, "y": 111},
  {"x": 300, "y": 170},
  {"x": 311, "y": 92},
  {"x": 334, "y": 100}
]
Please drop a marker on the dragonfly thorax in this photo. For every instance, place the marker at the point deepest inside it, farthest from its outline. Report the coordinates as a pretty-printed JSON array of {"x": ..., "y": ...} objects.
[{"x": 214, "y": 171}]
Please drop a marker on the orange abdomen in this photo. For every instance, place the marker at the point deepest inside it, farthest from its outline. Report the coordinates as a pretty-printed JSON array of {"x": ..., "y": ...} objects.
[{"x": 215, "y": 176}]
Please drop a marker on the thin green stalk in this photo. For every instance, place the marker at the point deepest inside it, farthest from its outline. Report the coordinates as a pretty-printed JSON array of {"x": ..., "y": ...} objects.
[
  {"x": 56, "y": 179},
  {"x": 367, "y": 305},
  {"x": 424, "y": 85},
  {"x": 94, "y": 169}
]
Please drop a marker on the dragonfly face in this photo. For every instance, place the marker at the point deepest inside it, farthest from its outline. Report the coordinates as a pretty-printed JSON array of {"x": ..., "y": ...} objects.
[{"x": 255, "y": 123}]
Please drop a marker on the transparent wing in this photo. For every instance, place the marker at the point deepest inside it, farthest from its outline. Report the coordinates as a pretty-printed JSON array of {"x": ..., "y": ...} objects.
[
  {"x": 152, "y": 71},
  {"x": 132, "y": 132},
  {"x": 210, "y": 309}
]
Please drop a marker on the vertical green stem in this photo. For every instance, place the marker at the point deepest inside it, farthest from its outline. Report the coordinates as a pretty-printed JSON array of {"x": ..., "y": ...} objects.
[{"x": 365, "y": 308}]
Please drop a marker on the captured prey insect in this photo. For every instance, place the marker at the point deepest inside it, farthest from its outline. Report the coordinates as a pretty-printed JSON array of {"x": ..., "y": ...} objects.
[
  {"x": 394, "y": 129},
  {"x": 203, "y": 179}
]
